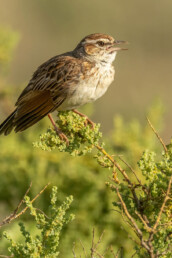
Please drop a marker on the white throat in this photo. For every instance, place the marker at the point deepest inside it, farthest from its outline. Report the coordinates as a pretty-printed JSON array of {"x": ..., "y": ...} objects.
[{"x": 110, "y": 58}]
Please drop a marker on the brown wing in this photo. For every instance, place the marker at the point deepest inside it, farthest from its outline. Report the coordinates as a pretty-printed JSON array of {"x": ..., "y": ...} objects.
[
  {"x": 58, "y": 75},
  {"x": 50, "y": 85}
]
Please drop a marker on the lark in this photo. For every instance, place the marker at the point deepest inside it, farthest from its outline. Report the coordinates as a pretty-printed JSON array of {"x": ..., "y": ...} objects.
[{"x": 65, "y": 82}]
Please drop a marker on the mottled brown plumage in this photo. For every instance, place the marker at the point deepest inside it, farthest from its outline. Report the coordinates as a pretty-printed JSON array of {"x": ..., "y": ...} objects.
[{"x": 65, "y": 82}]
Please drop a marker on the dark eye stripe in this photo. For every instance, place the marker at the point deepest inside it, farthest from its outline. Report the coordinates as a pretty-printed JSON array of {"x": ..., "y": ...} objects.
[{"x": 102, "y": 43}]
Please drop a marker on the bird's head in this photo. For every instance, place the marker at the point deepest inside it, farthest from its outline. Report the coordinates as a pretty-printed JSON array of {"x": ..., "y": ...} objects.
[{"x": 99, "y": 47}]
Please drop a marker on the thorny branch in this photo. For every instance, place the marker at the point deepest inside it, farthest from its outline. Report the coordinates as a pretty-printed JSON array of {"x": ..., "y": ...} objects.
[
  {"x": 15, "y": 215},
  {"x": 153, "y": 231},
  {"x": 123, "y": 172},
  {"x": 147, "y": 244},
  {"x": 144, "y": 241},
  {"x": 163, "y": 205},
  {"x": 94, "y": 246},
  {"x": 139, "y": 181},
  {"x": 158, "y": 136},
  {"x": 144, "y": 222},
  {"x": 137, "y": 230}
]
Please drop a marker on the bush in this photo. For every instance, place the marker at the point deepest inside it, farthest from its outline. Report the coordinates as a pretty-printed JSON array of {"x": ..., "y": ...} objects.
[{"x": 140, "y": 216}]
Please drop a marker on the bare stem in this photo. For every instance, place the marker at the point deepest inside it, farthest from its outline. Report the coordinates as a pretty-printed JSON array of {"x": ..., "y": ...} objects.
[
  {"x": 130, "y": 218},
  {"x": 158, "y": 136},
  {"x": 123, "y": 172},
  {"x": 15, "y": 215},
  {"x": 163, "y": 205}
]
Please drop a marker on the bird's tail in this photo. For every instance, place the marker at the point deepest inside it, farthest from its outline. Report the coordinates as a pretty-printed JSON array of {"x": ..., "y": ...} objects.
[{"x": 7, "y": 126}]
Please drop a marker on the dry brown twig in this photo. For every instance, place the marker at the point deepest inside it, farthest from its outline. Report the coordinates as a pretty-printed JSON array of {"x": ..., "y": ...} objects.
[
  {"x": 100, "y": 239},
  {"x": 147, "y": 244},
  {"x": 83, "y": 248},
  {"x": 137, "y": 230},
  {"x": 128, "y": 165},
  {"x": 73, "y": 250},
  {"x": 160, "y": 212},
  {"x": 144, "y": 222},
  {"x": 158, "y": 136},
  {"x": 163, "y": 205},
  {"x": 12, "y": 216},
  {"x": 94, "y": 246},
  {"x": 15, "y": 215},
  {"x": 102, "y": 150},
  {"x": 117, "y": 253},
  {"x": 123, "y": 172}
]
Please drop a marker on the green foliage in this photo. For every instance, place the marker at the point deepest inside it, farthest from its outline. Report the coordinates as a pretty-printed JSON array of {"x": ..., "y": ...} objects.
[
  {"x": 81, "y": 137},
  {"x": 82, "y": 176},
  {"x": 150, "y": 198},
  {"x": 157, "y": 174},
  {"x": 144, "y": 200},
  {"x": 44, "y": 244},
  {"x": 79, "y": 176}
]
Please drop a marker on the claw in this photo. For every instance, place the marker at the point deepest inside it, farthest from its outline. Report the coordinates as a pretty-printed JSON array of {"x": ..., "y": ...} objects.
[{"x": 62, "y": 136}]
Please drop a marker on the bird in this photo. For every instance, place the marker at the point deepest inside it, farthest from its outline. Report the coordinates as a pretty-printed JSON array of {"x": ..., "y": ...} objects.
[{"x": 66, "y": 82}]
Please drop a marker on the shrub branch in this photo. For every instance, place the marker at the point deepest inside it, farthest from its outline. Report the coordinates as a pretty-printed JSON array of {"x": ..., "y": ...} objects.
[
  {"x": 141, "y": 203},
  {"x": 15, "y": 214}
]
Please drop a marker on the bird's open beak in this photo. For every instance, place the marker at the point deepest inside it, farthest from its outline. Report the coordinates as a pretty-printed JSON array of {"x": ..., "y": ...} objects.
[{"x": 119, "y": 42}]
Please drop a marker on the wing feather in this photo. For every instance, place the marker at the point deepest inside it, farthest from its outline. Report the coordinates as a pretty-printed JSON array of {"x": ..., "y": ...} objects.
[
  {"x": 59, "y": 75},
  {"x": 50, "y": 85}
]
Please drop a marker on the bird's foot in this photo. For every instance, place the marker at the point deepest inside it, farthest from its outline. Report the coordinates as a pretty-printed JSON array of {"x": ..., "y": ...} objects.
[
  {"x": 88, "y": 121},
  {"x": 62, "y": 136}
]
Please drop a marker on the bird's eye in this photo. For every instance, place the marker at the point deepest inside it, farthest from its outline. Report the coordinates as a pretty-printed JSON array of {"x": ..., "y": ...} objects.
[{"x": 101, "y": 43}]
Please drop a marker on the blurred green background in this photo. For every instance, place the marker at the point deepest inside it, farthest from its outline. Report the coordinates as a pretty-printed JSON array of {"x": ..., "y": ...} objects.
[{"x": 33, "y": 31}]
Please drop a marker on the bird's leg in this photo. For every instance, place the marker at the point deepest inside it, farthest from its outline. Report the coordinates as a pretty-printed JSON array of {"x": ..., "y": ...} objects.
[
  {"x": 88, "y": 121},
  {"x": 58, "y": 131}
]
